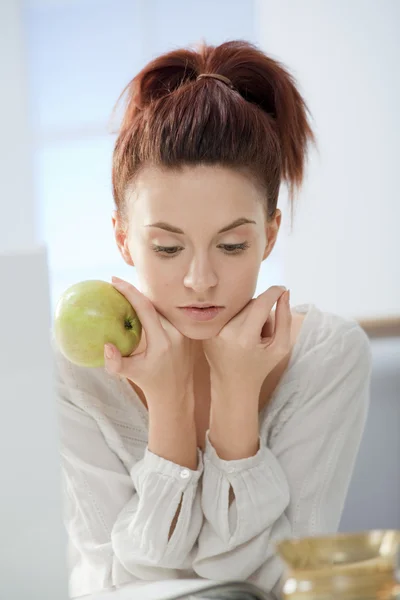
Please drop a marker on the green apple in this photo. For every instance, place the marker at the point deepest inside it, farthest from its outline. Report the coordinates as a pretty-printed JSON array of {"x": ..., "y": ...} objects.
[{"x": 90, "y": 314}]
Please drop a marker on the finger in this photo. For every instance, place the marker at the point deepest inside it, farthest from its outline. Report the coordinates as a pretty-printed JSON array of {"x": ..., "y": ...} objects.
[
  {"x": 142, "y": 344},
  {"x": 259, "y": 312},
  {"x": 145, "y": 310},
  {"x": 267, "y": 331},
  {"x": 238, "y": 320},
  {"x": 117, "y": 364},
  {"x": 283, "y": 322},
  {"x": 171, "y": 331},
  {"x": 112, "y": 358},
  {"x": 165, "y": 324}
]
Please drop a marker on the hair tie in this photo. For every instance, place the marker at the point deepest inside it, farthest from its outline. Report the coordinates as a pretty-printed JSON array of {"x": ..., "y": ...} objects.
[{"x": 217, "y": 76}]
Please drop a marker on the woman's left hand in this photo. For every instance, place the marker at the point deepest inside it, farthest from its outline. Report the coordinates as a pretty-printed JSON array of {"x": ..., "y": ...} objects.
[{"x": 247, "y": 349}]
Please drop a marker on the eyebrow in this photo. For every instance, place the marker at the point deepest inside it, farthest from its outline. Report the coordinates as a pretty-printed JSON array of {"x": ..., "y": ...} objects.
[{"x": 172, "y": 229}]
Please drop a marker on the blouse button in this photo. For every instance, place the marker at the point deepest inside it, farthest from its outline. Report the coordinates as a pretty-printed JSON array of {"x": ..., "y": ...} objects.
[{"x": 185, "y": 473}]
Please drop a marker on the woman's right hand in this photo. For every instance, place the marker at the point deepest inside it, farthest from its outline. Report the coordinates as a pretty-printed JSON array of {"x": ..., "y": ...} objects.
[{"x": 165, "y": 367}]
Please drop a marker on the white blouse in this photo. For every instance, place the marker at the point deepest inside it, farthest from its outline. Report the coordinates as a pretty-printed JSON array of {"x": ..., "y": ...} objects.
[{"x": 120, "y": 498}]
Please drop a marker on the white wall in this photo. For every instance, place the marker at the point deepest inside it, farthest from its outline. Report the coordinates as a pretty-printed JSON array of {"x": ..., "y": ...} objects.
[
  {"x": 343, "y": 252},
  {"x": 17, "y": 222},
  {"x": 33, "y": 540}
]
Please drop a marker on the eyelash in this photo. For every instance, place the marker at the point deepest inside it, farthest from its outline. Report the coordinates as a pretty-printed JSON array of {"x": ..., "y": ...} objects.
[{"x": 235, "y": 249}]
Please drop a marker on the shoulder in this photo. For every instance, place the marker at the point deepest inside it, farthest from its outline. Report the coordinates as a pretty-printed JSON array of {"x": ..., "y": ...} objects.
[
  {"x": 91, "y": 390},
  {"x": 74, "y": 377},
  {"x": 332, "y": 346},
  {"x": 330, "y": 366},
  {"x": 329, "y": 331}
]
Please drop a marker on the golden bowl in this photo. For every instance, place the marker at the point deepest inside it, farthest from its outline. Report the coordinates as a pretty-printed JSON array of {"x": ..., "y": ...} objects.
[{"x": 348, "y": 565}]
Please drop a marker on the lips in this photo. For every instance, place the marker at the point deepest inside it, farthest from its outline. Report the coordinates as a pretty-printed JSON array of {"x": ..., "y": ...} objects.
[
  {"x": 202, "y": 307},
  {"x": 202, "y": 314}
]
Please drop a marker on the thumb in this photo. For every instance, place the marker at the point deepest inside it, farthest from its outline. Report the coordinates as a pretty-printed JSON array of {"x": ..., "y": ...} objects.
[{"x": 112, "y": 358}]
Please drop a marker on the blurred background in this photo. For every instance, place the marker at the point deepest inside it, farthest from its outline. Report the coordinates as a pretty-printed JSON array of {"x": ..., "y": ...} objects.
[
  {"x": 63, "y": 65},
  {"x": 343, "y": 250},
  {"x": 81, "y": 56}
]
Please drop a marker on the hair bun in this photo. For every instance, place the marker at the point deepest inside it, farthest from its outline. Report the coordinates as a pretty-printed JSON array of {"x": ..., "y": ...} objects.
[{"x": 177, "y": 113}]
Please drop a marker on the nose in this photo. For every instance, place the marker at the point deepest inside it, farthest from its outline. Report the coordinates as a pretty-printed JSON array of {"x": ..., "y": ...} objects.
[{"x": 201, "y": 275}]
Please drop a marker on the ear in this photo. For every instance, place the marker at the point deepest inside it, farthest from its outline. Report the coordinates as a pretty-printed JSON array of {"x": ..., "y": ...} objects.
[
  {"x": 271, "y": 231},
  {"x": 121, "y": 238}
]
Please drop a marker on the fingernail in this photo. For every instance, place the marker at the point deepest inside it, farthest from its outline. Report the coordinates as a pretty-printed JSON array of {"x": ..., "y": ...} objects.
[
  {"x": 283, "y": 288},
  {"x": 288, "y": 297},
  {"x": 115, "y": 279},
  {"x": 108, "y": 351}
]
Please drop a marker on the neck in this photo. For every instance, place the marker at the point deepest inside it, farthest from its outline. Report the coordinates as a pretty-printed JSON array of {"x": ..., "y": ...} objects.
[{"x": 200, "y": 360}]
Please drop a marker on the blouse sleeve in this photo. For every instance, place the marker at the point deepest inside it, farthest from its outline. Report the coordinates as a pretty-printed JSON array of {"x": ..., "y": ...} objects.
[
  {"x": 114, "y": 514},
  {"x": 296, "y": 486}
]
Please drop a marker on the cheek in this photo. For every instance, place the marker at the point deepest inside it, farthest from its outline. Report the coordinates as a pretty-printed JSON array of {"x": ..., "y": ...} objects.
[
  {"x": 243, "y": 282},
  {"x": 158, "y": 286}
]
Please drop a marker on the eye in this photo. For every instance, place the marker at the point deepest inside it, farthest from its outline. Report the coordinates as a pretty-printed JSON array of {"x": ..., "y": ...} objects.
[
  {"x": 235, "y": 248},
  {"x": 228, "y": 249},
  {"x": 171, "y": 250}
]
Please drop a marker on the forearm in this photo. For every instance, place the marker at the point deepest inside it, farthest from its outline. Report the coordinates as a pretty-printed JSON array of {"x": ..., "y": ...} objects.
[
  {"x": 172, "y": 430},
  {"x": 234, "y": 425}
]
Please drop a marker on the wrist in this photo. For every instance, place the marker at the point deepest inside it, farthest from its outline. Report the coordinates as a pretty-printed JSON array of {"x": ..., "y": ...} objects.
[
  {"x": 232, "y": 391},
  {"x": 178, "y": 405},
  {"x": 234, "y": 419},
  {"x": 239, "y": 416},
  {"x": 172, "y": 433},
  {"x": 234, "y": 439}
]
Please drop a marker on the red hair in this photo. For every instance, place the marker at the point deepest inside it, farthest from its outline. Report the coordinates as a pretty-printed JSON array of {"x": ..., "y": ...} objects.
[{"x": 172, "y": 120}]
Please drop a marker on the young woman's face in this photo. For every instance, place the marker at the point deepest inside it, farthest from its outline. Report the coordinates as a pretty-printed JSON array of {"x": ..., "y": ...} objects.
[{"x": 200, "y": 263}]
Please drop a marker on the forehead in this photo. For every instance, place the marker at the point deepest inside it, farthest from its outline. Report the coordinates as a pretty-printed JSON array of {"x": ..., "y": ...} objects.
[{"x": 193, "y": 192}]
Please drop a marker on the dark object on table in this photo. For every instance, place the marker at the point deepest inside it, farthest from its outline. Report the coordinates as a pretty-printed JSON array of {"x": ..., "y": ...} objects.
[{"x": 232, "y": 590}]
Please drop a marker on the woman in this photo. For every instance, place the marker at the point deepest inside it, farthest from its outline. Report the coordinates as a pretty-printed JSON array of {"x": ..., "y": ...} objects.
[{"x": 230, "y": 428}]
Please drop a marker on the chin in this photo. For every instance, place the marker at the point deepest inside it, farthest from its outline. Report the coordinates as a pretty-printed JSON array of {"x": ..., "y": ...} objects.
[
  {"x": 194, "y": 332},
  {"x": 198, "y": 336}
]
